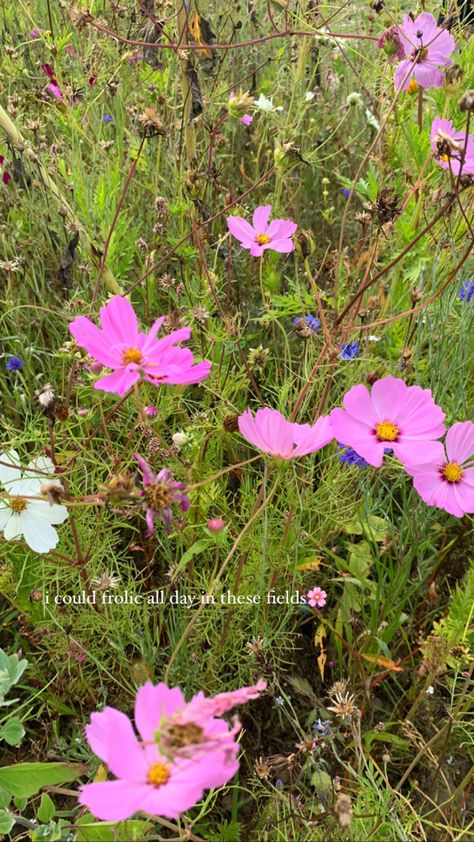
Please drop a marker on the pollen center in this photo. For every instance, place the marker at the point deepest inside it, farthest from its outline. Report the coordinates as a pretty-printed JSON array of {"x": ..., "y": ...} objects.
[
  {"x": 132, "y": 355},
  {"x": 412, "y": 87},
  {"x": 18, "y": 504},
  {"x": 444, "y": 158},
  {"x": 386, "y": 431},
  {"x": 158, "y": 774},
  {"x": 263, "y": 239},
  {"x": 452, "y": 472}
]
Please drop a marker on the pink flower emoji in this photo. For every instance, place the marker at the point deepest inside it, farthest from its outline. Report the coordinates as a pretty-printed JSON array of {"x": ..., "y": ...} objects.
[
  {"x": 394, "y": 416},
  {"x": 133, "y": 355},
  {"x": 261, "y": 234},
  {"x": 450, "y": 147},
  {"x": 448, "y": 482},
  {"x": 183, "y": 750},
  {"x": 270, "y": 432},
  {"x": 427, "y": 48},
  {"x": 160, "y": 493},
  {"x": 316, "y": 598},
  {"x": 246, "y": 119}
]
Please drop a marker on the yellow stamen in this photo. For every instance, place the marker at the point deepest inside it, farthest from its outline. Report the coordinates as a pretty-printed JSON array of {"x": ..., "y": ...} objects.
[
  {"x": 158, "y": 774},
  {"x": 452, "y": 472},
  {"x": 386, "y": 431},
  {"x": 412, "y": 86},
  {"x": 18, "y": 504},
  {"x": 444, "y": 158},
  {"x": 262, "y": 239},
  {"x": 132, "y": 355}
]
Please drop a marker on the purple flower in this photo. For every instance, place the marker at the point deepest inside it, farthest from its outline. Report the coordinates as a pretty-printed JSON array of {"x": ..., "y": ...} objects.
[
  {"x": 261, "y": 234},
  {"x": 350, "y": 350},
  {"x": 451, "y": 147},
  {"x": 14, "y": 363},
  {"x": 150, "y": 410},
  {"x": 35, "y": 33},
  {"x": 350, "y": 457},
  {"x": 135, "y": 57},
  {"x": 107, "y": 118},
  {"x": 467, "y": 291},
  {"x": 346, "y": 192},
  {"x": 246, "y": 119},
  {"x": 427, "y": 47},
  {"x": 159, "y": 493},
  {"x": 311, "y": 321},
  {"x": 389, "y": 41}
]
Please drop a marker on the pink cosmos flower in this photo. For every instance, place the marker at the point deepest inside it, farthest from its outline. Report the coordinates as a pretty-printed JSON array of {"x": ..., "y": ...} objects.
[
  {"x": 133, "y": 355},
  {"x": 316, "y": 598},
  {"x": 394, "y": 416},
  {"x": 246, "y": 119},
  {"x": 448, "y": 482},
  {"x": 427, "y": 48},
  {"x": 450, "y": 147},
  {"x": 261, "y": 234},
  {"x": 6, "y": 176},
  {"x": 272, "y": 433},
  {"x": 160, "y": 493},
  {"x": 183, "y": 750}
]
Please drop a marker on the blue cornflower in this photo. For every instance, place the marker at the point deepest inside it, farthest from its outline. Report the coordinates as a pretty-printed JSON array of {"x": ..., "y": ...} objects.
[
  {"x": 467, "y": 291},
  {"x": 107, "y": 118},
  {"x": 346, "y": 192},
  {"x": 350, "y": 457},
  {"x": 311, "y": 321},
  {"x": 350, "y": 350},
  {"x": 323, "y": 727},
  {"x": 14, "y": 363}
]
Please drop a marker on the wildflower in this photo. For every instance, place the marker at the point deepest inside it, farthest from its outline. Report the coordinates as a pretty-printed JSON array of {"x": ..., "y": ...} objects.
[
  {"x": 453, "y": 78},
  {"x": 343, "y": 702},
  {"x": 106, "y": 581},
  {"x": 309, "y": 96},
  {"x": 14, "y": 363},
  {"x": 53, "y": 85},
  {"x": 160, "y": 492},
  {"x": 466, "y": 103},
  {"x": 350, "y": 350},
  {"x": 107, "y": 118},
  {"x": 150, "y": 411},
  {"x": 21, "y": 516},
  {"x": 447, "y": 480},
  {"x": 451, "y": 148},
  {"x": 323, "y": 727},
  {"x": 134, "y": 355},
  {"x": 239, "y": 103},
  {"x": 264, "y": 103},
  {"x": 216, "y": 524},
  {"x": 467, "y": 291},
  {"x": 430, "y": 690},
  {"x": 350, "y": 457},
  {"x": 354, "y": 98},
  {"x": 135, "y": 57},
  {"x": 150, "y": 120},
  {"x": 316, "y": 598},
  {"x": 389, "y": 41},
  {"x": 346, "y": 192},
  {"x": 306, "y": 325},
  {"x": 179, "y": 439},
  {"x": 46, "y": 398},
  {"x": 184, "y": 749},
  {"x": 394, "y": 415},
  {"x": 372, "y": 120},
  {"x": 246, "y": 119},
  {"x": 261, "y": 235},
  {"x": 35, "y": 34},
  {"x": 427, "y": 47},
  {"x": 270, "y": 432},
  {"x": 6, "y": 176}
]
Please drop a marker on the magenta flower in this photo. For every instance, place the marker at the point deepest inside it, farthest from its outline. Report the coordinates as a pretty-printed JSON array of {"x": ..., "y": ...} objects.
[
  {"x": 53, "y": 86},
  {"x": 271, "y": 432},
  {"x": 448, "y": 482},
  {"x": 394, "y": 416},
  {"x": 160, "y": 493},
  {"x": 183, "y": 750},
  {"x": 427, "y": 48},
  {"x": 35, "y": 33},
  {"x": 261, "y": 234},
  {"x": 316, "y": 598},
  {"x": 6, "y": 176},
  {"x": 135, "y": 356},
  {"x": 450, "y": 147},
  {"x": 246, "y": 119}
]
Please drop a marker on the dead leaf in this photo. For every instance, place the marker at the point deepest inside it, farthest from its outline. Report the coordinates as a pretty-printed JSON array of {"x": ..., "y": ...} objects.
[
  {"x": 381, "y": 661},
  {"x": 201, "y": 33},
  {"x": 66, "y": 262},
  {"x": 318, "y": 641}
]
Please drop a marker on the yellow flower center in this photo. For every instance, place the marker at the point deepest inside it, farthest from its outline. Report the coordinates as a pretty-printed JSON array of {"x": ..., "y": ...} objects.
[
  {"x": 18, "y": 504},
  {"x": 158, "y": 774},
  {"x": 452, "y": 472},
  {"x": 262, "y": 239},
  {"x": 386, "y": 431},
  {"x": 444, "y": 158},
  {"x": 132, "y": 355},
  {"x": 412, "y": 86}
]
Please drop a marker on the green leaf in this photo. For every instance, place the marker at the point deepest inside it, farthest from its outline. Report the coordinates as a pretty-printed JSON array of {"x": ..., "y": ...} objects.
[
  {"x": 13, "y": 732},
  {"x": 5, "y": 797},
  {"x": 26, "y": 779},
  {"x": 46, "y": 809},
  {"x": 6, "y": 822},
  {"x": 322, "y": 783},
  {"x": 195, "y": 549},
  {"x": 89, "y": 830}
]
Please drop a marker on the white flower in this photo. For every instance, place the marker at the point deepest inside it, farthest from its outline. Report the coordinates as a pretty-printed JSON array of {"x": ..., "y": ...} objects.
[
  {"x": 355, "y": 98},
  {"x": 373, "y": 338},
  {"x": 105, "y": 581},
  {"x": 179, "y": 439},
  {"x": 19, "y": 516},
  {"x": 265, "y": 104},
  {"x": 371, "y": 119},
  {"x": 309, "y": 95}
]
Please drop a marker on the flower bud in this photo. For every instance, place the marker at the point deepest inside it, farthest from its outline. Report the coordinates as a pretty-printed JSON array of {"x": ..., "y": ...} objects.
[
  {"x": 215, "y": 524},
  {"x": 466, "y": 103},
  {"x": 453, "y": 78}
]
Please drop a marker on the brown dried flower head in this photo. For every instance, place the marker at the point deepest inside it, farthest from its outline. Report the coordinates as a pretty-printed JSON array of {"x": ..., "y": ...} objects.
[{"x": 150, "y": 120}]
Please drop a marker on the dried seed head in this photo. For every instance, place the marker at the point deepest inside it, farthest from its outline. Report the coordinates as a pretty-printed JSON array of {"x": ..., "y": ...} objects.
[
  {"x": 80, "y": 18},
  {"x": 121, "y": 487},
  {"x": 466, "y": 103},
  {"x": 150, "y": 120},
  {"x": 230, "y": 423}
]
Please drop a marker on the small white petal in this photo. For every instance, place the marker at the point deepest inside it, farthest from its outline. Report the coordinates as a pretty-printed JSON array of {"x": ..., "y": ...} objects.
[
  {"x": 51, "y": 513},
  {"x": 39, "y": 534},
  {"x": 14, "y": 528},
  {"x": 41, "y": 467},
  {"x": 5, "y": 515}
]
